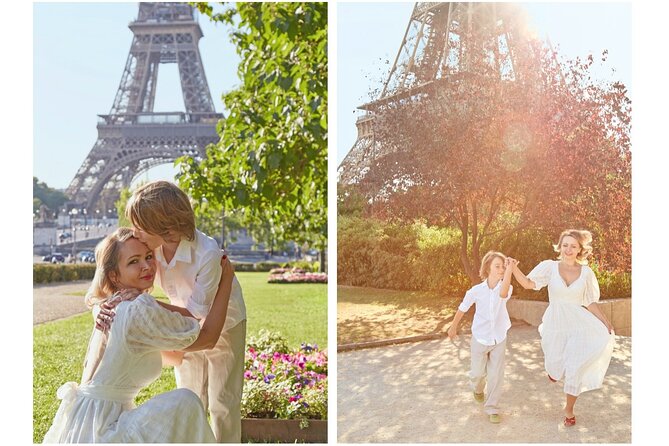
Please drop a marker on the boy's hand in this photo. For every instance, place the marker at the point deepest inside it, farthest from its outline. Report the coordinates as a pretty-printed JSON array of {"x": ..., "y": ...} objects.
[
  {"x": 510, "y": 262},
  {"x": 226, "y": 265},
  {"x": 452, "y": 332},
  {"x": 108, "y": 308}
]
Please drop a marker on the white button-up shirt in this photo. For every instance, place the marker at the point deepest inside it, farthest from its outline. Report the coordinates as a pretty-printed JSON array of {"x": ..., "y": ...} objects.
[
  {"x": 491, "y": 319},
  {"x": 191, "y": 279}
]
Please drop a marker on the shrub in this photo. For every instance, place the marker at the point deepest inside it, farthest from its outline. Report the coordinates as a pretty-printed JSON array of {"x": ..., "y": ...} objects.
[
  {"x": 304, "y": 265},
  {"x": 417, "y": 257},
  {"x": 266, "y": 266},
  {"x": 254, "y": 267},
  {"x": 613, "y": 285},
  {"x": 376, "y": 254},
  {"x": 243, "y": 267},
  {"x": 47, "y": 273}
]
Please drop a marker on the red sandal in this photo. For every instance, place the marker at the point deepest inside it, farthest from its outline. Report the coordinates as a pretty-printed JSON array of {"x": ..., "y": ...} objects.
[
  {"x": 568, "y": 422},
  {"x": 551, "y": 378}
]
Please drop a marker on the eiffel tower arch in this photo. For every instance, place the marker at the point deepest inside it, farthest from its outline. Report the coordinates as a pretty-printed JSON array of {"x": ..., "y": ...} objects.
[
  {"x": 132, "y": 138},
  {"x": 438, "y": 46}
]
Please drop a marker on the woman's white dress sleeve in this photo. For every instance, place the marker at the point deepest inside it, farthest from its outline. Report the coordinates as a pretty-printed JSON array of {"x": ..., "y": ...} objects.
[
  {"x": 591, "y": 292},
  {"x": 541, "y": 274},
  {"x": 156, "y": 328}
]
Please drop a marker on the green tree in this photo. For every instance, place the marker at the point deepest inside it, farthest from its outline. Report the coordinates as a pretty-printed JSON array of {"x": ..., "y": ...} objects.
[
  {"x": 498, "y": 159},
  {"x": 120, "y": 207},
  {"x": 52, "y": 198},
  {"x": 210, "y": 219},
  {"x": 270, "y": 166},
  {"x": 36, "y": 204}
]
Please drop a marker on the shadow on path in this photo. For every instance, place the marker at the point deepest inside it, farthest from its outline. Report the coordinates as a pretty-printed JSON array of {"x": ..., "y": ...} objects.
[{"x": 414, "y": 393}]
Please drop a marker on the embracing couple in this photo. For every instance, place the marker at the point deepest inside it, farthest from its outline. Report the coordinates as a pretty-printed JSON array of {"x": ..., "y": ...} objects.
[
  {"x": 576, "y": 337},
  {"x": 202, "y": 332}
]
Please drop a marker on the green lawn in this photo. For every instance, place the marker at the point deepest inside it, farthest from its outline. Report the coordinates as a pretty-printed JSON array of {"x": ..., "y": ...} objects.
[{"x": 297, "y": 311}]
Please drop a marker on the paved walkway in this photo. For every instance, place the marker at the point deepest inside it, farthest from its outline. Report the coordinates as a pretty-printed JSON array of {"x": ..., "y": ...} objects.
[
  {"x": 419, "y": 393},
  {"x": 55, "y": 301}
]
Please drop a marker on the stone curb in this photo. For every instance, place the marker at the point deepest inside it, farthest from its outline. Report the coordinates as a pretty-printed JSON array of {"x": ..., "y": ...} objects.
[{"x": 405, "y": 340}]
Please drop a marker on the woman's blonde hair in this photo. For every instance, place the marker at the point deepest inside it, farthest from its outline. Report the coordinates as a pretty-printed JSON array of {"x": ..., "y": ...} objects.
[
  {"x": 584, "y": 239},
  {"x": 107, "y": 255},
  {"x": 484, "y": 271},
  {"x": 159, "y": 207}
]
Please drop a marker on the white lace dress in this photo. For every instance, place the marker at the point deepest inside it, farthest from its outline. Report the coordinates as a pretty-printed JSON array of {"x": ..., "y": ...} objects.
[
  {"x": 577, "y": 345},
  {"x": 101, "y": 409}
]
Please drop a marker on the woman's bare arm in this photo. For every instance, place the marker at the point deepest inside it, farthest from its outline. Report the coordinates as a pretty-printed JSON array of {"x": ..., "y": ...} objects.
[
  {"x": 594, "y": 309},
  {"x": 522, "y": 278}
]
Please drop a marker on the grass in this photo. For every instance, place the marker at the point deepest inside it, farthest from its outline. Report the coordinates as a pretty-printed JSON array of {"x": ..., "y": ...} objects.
[
  {"x": 297, "y": 311},
  {"x": 370, "y": 314}
]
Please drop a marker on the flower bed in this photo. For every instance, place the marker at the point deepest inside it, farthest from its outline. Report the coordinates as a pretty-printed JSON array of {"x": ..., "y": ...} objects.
[
  {"x": 295, "y": 275},
  {"x": 287, "y": 270},
  {"x": 279, "y": 383}
]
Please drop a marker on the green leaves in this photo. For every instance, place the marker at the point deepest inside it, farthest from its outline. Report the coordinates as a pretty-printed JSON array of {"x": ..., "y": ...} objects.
[
  {"x": 271, "y": 161},
  {"x": 43, "y": 194}
]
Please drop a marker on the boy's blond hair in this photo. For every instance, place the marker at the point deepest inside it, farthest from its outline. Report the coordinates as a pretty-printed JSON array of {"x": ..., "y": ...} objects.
[
  {"x": 484, "y": 271},
  {"x": 159, "y": 207},
  {"x": 584, "y": 239}
]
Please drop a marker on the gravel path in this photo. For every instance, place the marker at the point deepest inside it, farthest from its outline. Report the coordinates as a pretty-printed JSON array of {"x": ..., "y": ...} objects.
[
  {"x": 55, "y": 301},
  {"x": 416, "y": 393}
]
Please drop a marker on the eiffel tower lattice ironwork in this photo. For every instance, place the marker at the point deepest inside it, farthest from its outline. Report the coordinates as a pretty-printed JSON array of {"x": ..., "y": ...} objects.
[
  {"x": 133, "y": 138},
  {"x": 436, "y": 47}
]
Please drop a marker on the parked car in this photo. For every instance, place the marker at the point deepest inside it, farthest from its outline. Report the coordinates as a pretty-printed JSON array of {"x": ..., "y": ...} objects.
[
  {"x": 56, "y": 257},
  {"x": 84, "y": 256},
  {"x": 311, "y": 255}
]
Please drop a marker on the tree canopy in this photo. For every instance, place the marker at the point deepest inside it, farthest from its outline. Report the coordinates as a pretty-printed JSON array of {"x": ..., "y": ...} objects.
[
  {"x": 547, "y": 150},
  {"x": 43, "y": 194},
  {"x": 270, "y": 166}
]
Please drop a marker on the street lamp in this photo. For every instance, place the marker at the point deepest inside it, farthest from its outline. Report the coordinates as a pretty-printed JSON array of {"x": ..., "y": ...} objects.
[{"x": 73, "y": 214}]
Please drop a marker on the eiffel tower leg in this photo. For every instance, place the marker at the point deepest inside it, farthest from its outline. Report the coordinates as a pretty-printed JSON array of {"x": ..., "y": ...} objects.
[{"x": 193, "y": 81}]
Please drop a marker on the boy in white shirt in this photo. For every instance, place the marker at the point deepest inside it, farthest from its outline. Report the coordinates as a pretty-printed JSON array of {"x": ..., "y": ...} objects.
[
  {"x": 188, "y": 270},
  {"x": 489, "y": 327}
]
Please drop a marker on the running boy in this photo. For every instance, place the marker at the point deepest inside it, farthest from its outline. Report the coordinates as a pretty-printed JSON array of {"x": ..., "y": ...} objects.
[{"x": 489, "y": 327}]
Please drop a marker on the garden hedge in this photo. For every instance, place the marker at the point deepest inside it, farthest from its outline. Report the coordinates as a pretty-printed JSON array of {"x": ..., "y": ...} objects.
[
  {"x": 416, "y": 257},
  {"x": 63, "y": 272},
  {"x": 66, "y": 272}
]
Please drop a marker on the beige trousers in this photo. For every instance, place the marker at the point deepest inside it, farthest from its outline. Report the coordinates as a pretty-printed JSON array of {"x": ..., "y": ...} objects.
[
  {"x": 217, "y": 377},
  {"x": 488, "y": 363}
]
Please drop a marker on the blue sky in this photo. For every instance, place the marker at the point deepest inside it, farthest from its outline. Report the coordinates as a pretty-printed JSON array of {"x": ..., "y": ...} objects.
[
  {"x": 80, "y": 49},
  {"x": 369, "y": 34},
  {"x": 79, "y": 53}
]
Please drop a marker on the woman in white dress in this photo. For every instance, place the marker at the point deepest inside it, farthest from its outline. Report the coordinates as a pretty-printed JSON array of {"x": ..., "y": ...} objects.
[
  {"x": 120, "y": 363},
  {"x": 576, "y": 337}
]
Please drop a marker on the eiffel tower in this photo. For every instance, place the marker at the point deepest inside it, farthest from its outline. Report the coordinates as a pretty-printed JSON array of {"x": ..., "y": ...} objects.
[
  {"x": 438, "y": 46},
  {"x": 133, "y": 138}
]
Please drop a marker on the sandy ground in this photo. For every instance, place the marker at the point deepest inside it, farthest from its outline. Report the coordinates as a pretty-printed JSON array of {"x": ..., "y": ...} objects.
[
  {"x": 55, "y": 301},
  {"x": 369, "y": 322},
  {"x": 419, "y": 393}
]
